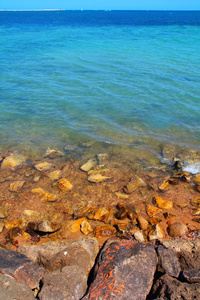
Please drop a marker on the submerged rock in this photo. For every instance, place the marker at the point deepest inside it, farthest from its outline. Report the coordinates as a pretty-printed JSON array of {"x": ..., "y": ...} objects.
[
  {"x": 55, "y": 175},
  {"x": 97, "y": 178},
  {"x": 164, "y": 204},
  {"x": 53, "y": 153},
  {"x": 13, "y": 160},
  {"x": 133, "y": 184},
  {"x": 143, "y": 223},
  {"x": 65, "y": 185},
  {"x": 16, "y": 185},
  {"x": 89, "y": 165},
  {"x": 153, "y": 210},
  {"x": 43, "y": 166}
]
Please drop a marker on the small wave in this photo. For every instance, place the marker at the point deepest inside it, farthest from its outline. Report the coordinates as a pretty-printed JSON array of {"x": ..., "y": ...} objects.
[{"x": 193, "y": 169}]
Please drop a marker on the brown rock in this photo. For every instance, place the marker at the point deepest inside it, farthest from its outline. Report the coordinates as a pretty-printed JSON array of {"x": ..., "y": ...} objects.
[
  {"x": 65, "y": 185},
  {"x": 167, "y": 288},
  {"x": 196, "y": 201},
  {"x": 98, "y": 214},
  {"x": 191, "y": 275},
  {"x": 169, "y": 261},
  {"x": 70, "y": 283},
  {"x": 21, "y": 268},
  {"x": 104, "y": 230},
  {"x": 143, "y": 223},
  {"x": 125, "y": 270},
  {"x": 177, "y": 229},
  {"x": 44, "y": 226},
  {"x": 197, "y": 178},
  {"x": 133, "y": 184}
]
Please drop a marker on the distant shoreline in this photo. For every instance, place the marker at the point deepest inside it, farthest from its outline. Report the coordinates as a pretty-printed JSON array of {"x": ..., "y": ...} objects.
[{"x": 53, "y": 9}]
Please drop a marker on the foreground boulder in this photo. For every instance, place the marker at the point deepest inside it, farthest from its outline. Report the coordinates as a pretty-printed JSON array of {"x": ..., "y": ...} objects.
[
  {"x": 10, "y": 289},
  {"x": 20, "y": 267},
  {"x": 170, "y": 288},
  {"x": 69, "y": 283},
  {"x": 125, "y": 270}
]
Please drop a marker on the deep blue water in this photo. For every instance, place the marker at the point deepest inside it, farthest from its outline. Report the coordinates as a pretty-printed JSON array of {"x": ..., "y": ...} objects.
[{"x": 112, "y": 76}]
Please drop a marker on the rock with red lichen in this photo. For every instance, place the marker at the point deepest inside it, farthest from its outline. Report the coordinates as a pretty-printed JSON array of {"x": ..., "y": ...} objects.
[{"x": 125, "y": 270}]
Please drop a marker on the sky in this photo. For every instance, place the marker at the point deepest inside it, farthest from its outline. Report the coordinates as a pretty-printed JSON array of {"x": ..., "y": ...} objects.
[{"x": 102, "y": 4}]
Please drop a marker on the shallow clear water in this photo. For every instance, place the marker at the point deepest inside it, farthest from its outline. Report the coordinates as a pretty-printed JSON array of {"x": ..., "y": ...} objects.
[{"x": 116, "y": 77}]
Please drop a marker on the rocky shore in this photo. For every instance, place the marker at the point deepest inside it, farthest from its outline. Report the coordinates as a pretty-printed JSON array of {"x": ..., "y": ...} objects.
[{"x": 97, "y": 228}]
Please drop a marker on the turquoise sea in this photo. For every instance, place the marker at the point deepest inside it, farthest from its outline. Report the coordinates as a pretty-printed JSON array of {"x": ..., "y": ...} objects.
[{"x": 124, "y": 78}]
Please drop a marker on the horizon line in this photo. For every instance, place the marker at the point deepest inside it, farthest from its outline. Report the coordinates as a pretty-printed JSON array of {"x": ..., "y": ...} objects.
[{"x": 63, "y": 9}]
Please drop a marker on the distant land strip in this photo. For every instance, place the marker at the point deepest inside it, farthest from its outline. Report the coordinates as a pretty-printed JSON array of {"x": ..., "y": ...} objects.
[{"x": 48, "y": 9}]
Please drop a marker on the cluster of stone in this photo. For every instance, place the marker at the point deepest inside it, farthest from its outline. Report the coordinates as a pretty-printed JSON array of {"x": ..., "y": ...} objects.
[{"x": 123, "y": 269}]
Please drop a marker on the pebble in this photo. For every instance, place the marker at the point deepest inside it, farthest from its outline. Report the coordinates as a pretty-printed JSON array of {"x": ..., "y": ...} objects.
[
  {"x": 3, "y": 213},
  {"x": 16, "y": 185},
  {"x": 164, "y": 186},
  {"x": 86, "y": 227},
  {"x": 44, "y": 166},
  {"x": 53, "y": 153},
  {"x": 177, "y": 229},
  {"x": 133, "y": 184},
  {"x": 139, "y": 236},
  {"x": 55, "y": 175},
  {"x": 153, "y": 210},
  {"x": 156, "y": 233},
  {"x": 89, "y": 165},
  {"x": 97, "y": 178},
  {"x": 143, "y": 223},
  {"x": 164, "y": 204},
  {"x": 65, "y": 185},
  {"x": 104, "y": 230}
]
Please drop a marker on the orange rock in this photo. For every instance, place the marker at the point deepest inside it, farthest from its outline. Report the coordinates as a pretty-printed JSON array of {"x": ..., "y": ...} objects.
[
  {"x": 65, "y": 185},
  {"x": 86, "y": 227},
  {"x": 104, "y": 230},
  {"x": 164, "y": 186},
  {"x": 99, "y": 213},
  {"x": 164, "y": 204},
  {"x": 196, "y": 201},
  {"x": 153, "y": 210},
  {"x": 197, "y": 178}
]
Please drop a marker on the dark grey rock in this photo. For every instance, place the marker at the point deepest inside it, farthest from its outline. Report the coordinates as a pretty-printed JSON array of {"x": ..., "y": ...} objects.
[
  {"x": 168, "y": 288},
  {"x": 20, "y": 267},
  {"x": 10, "y": 289},
  {"x": 125, "y": 270},
  {"x": 191, "y": 275},
  {"x": 68, "y": 284},
  {"x": 169, "y": 262}
]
